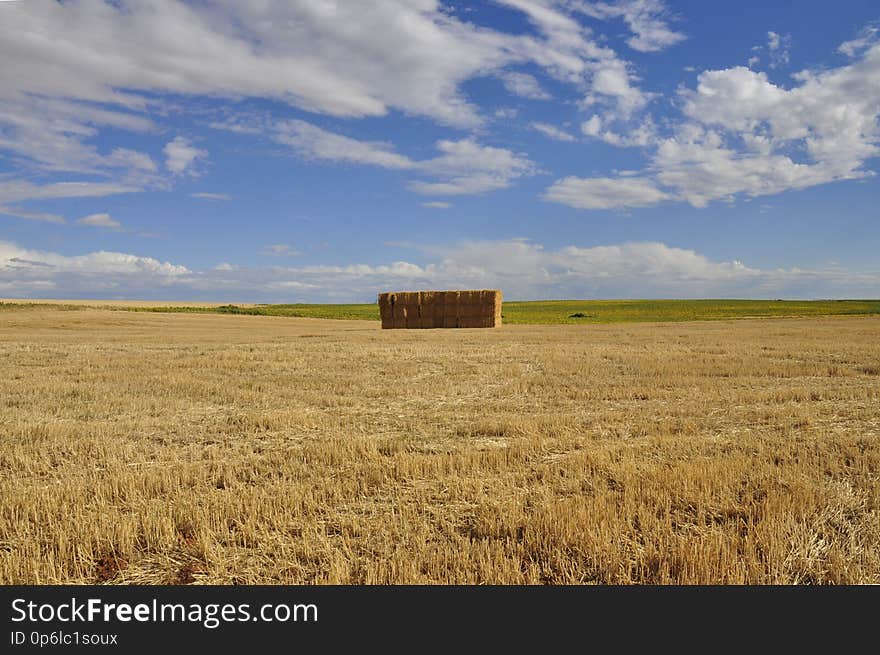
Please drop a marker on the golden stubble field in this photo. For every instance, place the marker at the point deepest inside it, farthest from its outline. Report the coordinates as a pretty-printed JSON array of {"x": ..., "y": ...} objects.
[{"x": 153, "y": 448}]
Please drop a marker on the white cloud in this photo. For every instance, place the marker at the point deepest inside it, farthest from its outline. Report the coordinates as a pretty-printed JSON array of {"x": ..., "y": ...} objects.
[
  {"x": 605, "y": 192},
  {"x": 869, "y": 36},
  {"x": 552, "y": 132},
  {"x": 749, "y": 135},
  {"x": 638, "y": 134},
  {"x": 304, "y": 57},
  {"x": 86, "y": 66},
  {"x": 437, "y": 204},
  {"x": 17, "y": 190},
  {"x": 779, "y": 47},
  {"x": 615, "y": 82},
  {"x": 100, "y": 220},
  {"x": 743, "y": 134},
  {"x": 522, "y": 269},
  {"x": 315, "y": 143},
  {"x": 646, "y": 19},
  {"x": 506, "y": 112},
  {"x": 343, "y": 59},
  {"x": 524, "y": 85},
  {"x": 701, "y": 169},
  {"x": 592, "y": 126},
  {"x": 82, "y": 67},
  {"x": 463, "y": 167},
  {"x": 46, "y": 217},
  {"x": 181, "y": 154},
  {"x": 50, "y": 133},
  {"x": 570, "y": 54},
  {"x": 32, "y": 273},
  {"x": 466, "y": 167},
  {"x": 280, "y": 250},
  {"x": 204, "y": 195}
]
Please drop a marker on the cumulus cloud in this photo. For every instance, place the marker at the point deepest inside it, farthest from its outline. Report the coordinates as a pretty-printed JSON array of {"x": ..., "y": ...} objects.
[
  {"x": 51, "y": 134},
  {"x": 297, "y": 52},
  {"x": 592, "y": 126},
  {"x": 524, "y": 85},
  {"x": 743, "y": 134},
  {"x": 605, "y": 192},
  {"x": 84, "y": 67},
  {"x": 17, "y": 190},
  {"x": 521, "y": 268},
  {"x": 100, "y": 220},
  {"x": 463, "y": 167},
  {"x": 32, "y": 273},
  {"x": 313, "y": 142},
  {"x": 641, "y": 134},
  {"x": 615, "y": 81},
  {"x": 646, "y": 19},
  {"x": 552, "y": 132},
  {"x": 569, "y": 53},
  {"x": 868, "y": 37},
  {"x": 750, "y": 135},
  {"x": 181, "y": 155},
  {"x": 778, "y": 50},
  {"x": 466, "y": 167},
  {"x": 303, "y": 57}
]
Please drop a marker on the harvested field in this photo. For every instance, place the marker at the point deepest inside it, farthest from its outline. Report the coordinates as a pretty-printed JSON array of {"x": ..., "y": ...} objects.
[
  {"x": 143, "y": 447},
  {"x": 541, "y": 312}
]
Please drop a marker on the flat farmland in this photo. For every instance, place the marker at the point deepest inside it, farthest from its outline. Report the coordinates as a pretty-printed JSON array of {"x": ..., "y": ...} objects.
[
  {"x": 541, "y": 312},
  {"x": 146, "y": 447}
]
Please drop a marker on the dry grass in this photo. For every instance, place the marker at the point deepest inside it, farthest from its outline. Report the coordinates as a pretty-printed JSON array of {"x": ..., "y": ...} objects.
[
  {"x": 118, "y": 304},
  {"x": 149, "y": 448}
]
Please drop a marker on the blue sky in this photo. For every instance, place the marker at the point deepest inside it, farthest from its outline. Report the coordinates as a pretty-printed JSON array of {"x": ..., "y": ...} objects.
[{"x": 324, "y": 151}]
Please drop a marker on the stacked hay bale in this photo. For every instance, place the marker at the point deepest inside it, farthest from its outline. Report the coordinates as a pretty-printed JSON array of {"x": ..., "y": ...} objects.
[
  {"x": 450, "y": 309},
  {"x": 441, "y": 309}
]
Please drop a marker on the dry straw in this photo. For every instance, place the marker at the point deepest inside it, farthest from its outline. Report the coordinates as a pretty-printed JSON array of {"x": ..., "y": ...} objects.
[
  {"x": 475, "y": 308},
  {"x": 220, "y": 449}
]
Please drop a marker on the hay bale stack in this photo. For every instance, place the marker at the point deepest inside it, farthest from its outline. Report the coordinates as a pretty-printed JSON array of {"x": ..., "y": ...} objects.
[
  {"x": 491, "y": 300},
  {"x": 469, "y": 309},
  {"x": 386, "y": 302},
  {"x": 450, "y": 317},
  {"x": 413, "y": 310},
  {"x": 399, "y": 311},
  {"x": 441, "y": 309},
  {"x": 426, "y": 309}
]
